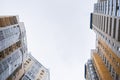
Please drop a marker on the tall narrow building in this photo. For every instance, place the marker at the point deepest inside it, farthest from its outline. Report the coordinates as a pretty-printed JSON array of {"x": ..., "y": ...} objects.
[
  {"x": 15, "y": 62},
  {"x": 105, "y": 59}
]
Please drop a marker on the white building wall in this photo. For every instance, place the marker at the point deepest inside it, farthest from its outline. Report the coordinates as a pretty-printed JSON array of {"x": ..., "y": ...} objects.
[{"x": 10, "y": 64}]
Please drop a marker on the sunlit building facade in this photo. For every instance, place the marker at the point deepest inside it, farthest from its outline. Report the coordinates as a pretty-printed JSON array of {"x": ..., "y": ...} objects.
[
  {"x": 15, "y": 62},
  {"x": 105, "y": 59}
]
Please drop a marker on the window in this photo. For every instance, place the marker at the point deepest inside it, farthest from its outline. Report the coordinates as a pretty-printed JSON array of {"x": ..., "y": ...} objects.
[
  {"x": 7, "y": 51},
  {"x": 113, "y": 44},
  {"x": 118, "y": 49},
  {"x": 25, "y": 64},
  {"x": 119, "y": 31},
  {"x": 14, "y": 27},
  {"x": 106, "y": 63},
  {"x": 2, "y": 54},
  {"x": 42, "y": 71},
  {"x": 113, "y": 59},
  {"x": 105, "y": 38},
  {"x": 17, "y": 25},
  {"x": 15, "y": 20},
  {"x": 110, "y": 55},
  {"x": 18, "y": 44},
  {"x": 104, "y": 59},
  {"x": 38, "y": 79},
  {"x": 1, "y": 36},
  {"x": 10, "y": 49},
  {"x": 107, "y": 25},
  {"x": 110, "y": 26},
  {"x": 15, "y": 65},
  {"x": 117, "y": 77},
  {"x": 113, "y": 73},
  {"x": 110, "y": 67},
  {"x": 114, "y": 28},
  {"x": 1, "y": 69},
  {"x": 118, "y": 64},
  {"x": 108, "y": 41},
  {"x": 27, "y": 61}
]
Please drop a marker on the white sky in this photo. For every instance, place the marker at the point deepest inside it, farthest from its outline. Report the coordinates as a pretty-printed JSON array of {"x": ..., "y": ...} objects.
[{"x": 58, "y": 33}]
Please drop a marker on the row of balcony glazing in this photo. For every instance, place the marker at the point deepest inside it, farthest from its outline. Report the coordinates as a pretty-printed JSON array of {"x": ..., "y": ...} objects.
[
  {"x": 8, "y": 20},
  {"x": 109, "y": 58},
  {"x": 31, "y": 69},
  {"x": 108, "y": 24},
  {"x": 103, "y": 55},
  {"x": 90, "y": 72},
  {"x": 4, "y": 53},
  {"x": 9, "y": 35},
  {"x": 107, "y": 27},
  {"x": 11, "y": 46},
  {"x": 102, "y": 71},
  {"x": 13, "y": 53},
  {"x": 36, "y": 71},
  {"x": 10, "y": 63},
  {"x": 108, "y": 7}
]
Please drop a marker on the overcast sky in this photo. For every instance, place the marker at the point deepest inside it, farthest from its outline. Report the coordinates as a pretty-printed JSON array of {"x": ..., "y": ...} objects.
[{"x": 58, "y": 33}]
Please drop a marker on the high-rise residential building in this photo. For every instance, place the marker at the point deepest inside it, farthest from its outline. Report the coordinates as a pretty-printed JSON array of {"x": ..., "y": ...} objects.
[
  {"x": 15, "y": 62},
  {"x": 34, "y": 70},
  {"x": 105, "y": 59}
]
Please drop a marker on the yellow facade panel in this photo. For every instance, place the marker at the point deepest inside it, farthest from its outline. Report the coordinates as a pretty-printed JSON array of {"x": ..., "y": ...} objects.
[
  {"x": 101, "y": 68},
  {"x": 108, "y": 49},
  {"x": 113, "y": 59}
]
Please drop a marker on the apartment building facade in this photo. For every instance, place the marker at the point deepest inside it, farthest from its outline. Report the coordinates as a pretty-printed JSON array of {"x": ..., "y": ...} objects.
[
  {"x": 105, "y": 59},
  {"x": 14, "y": 53}
]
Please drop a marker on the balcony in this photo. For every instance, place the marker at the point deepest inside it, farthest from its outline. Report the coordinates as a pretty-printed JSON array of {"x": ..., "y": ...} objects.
[{"x": 102, "y": 70}]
